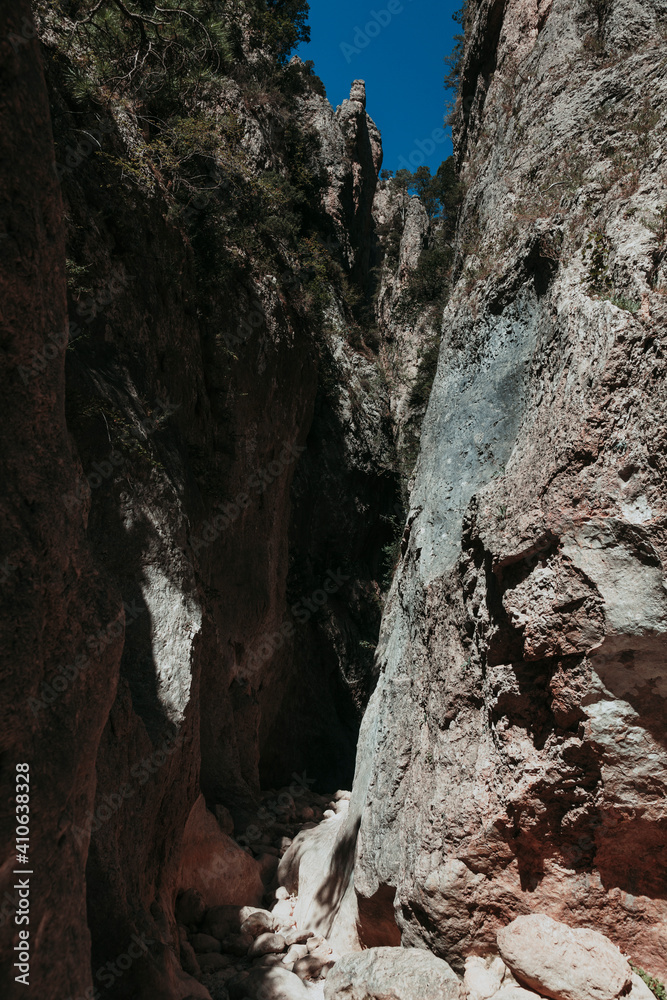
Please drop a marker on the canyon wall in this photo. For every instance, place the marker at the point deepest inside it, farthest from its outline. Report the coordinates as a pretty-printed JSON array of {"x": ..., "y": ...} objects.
[
  {"x": 194, "y": 559},
  {"x": 210, "y": 443},
  {"x": 53, "y": 595},
  {"x": 513, "y": 755}
]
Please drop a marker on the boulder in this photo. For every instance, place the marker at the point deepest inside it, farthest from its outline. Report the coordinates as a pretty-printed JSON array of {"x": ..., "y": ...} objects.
[
  {"x": 483, "y": 976},
  {"x": 295, "y": 952},
  {"x": 282, "y": 912},
  {"x": 563, "y": 962},
  {"x": 639, "y": 990},
  {"x": 319, "y": 944},
  {"x": 513, "y": 992},
  {"x": 268, "y": 984},
  {"x": 189, "y": 961},
  {"x": 213, "y": 962},
  {"x": 226, "y": 919},
  {"x": 259, "y": 922},
  {"x": 237, "y": 944},
  {"x": 205, "y": 943},
  {"x": 267, "y": 944},
  {"x": 297, "y": 936},
  {"x": 214, "y": 864},
  {"x": 399, "y": 973},
  {"x": 313, "y": 966},
  {"x": 267, "y": 961},
  {"x": 190, "y": 908},
  {"x": 318, "y": 869}
]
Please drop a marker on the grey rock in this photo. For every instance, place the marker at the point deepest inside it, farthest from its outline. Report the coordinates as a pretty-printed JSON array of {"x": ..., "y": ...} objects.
[
  {"x": 259, "y": 922},
  {"x": 313, "y": 966},
  {"x": 401, "y": 973},
  {"x": 269, "y": 984},
  {"x": 267, "y": 944},
  {"x": 499, "y": 768},
  {"x": 297, "y": 936}
]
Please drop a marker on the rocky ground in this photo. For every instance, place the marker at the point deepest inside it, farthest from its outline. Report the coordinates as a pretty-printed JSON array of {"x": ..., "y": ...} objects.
[
  {"x": 233, "y": 950},
  {"x": 275, "y": 951}
]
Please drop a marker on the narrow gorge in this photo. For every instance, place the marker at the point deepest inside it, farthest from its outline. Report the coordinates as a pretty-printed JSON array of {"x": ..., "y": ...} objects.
[{"x": 334, "y": 530}]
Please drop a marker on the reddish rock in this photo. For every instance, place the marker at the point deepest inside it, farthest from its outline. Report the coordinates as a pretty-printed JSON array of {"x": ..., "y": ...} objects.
[
  {"x": 563, "y": 962},
  {"x": 214, "y": 864},
  {"x": 62, "y": 624}
]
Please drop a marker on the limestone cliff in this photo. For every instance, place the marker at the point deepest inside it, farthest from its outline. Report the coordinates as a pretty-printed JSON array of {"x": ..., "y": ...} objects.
[{"x": 512, "y": 757}]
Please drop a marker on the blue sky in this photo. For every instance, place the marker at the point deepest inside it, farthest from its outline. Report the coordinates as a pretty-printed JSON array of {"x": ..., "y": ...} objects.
[{"x": 397, "y": 47}]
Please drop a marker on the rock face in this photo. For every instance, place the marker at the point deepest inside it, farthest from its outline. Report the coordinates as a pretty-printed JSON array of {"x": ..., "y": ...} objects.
[
  {"x": 558, "y": 961},
  {"x": 351, "y": 155},
  {"x": 54, "y": 597},
  {"x": 512, "y": 757},
  {"x": 214, "y": 865},
  {"x": 269, "y": 984},
  {"x": 400, "y": 973},
  {"x": 483, "y": 977},
  {"x": 150, "y": 547}
]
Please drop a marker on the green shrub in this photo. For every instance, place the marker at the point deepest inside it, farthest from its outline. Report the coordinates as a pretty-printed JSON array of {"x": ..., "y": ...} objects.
[
  {"x": 655, "y": 986},
  {"x": 630, "y": 305},
  {"x": 596, "y": 257},
  {"x": 454, "y": 61},
  {"x": 428, "y": 365},
  {"x": 428, "y": 282}
]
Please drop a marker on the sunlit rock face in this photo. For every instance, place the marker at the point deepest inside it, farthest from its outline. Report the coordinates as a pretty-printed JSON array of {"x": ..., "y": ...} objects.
[{"x": 513, "y": 756}]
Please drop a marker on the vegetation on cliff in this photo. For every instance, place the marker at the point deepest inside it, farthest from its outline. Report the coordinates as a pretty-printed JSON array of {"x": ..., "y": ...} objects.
[{"x": 158, "y": 98}]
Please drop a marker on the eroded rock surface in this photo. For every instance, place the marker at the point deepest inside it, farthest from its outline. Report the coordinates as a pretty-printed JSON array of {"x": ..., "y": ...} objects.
[
  {"x": 401, "y": 973},
  {"x": 512, "y": 758},
  {"x": 561, "y": 962}
]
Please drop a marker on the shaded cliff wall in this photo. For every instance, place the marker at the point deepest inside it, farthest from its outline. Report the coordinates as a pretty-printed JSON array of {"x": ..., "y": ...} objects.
[
  {"x": 167, "y": 523},
  {"x": 53, "y": 594},
  {"x": 512, "y": 757}
]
